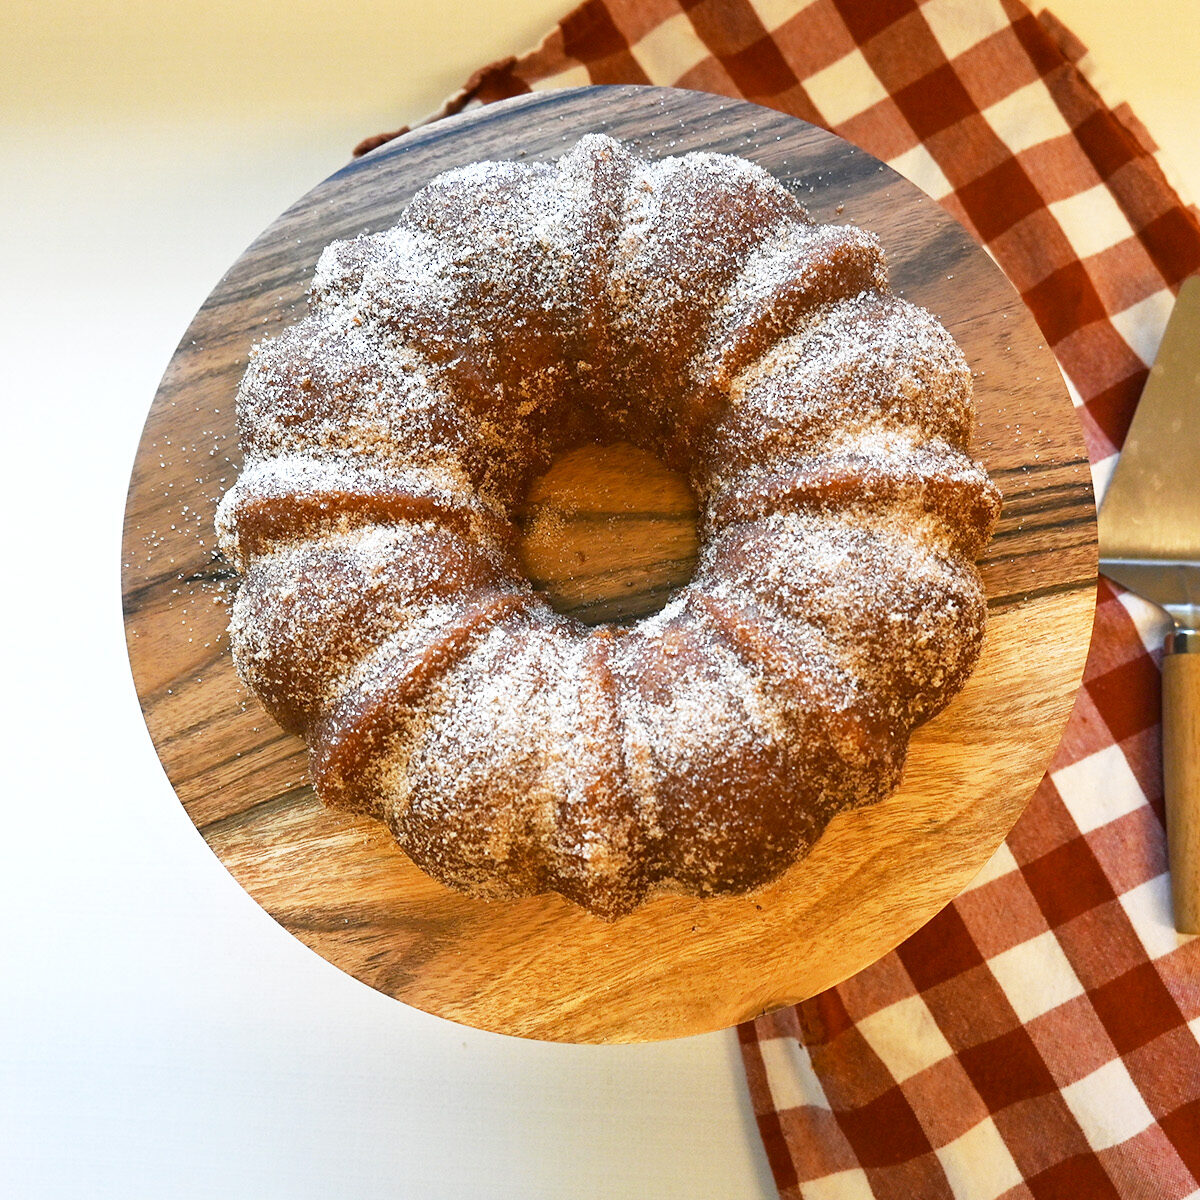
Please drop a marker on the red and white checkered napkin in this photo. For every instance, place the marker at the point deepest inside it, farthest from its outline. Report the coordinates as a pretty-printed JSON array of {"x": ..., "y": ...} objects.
[{"x": 1038, "y": 1037}]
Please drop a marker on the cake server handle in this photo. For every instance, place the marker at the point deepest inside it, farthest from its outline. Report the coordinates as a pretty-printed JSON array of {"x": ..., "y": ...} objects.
[{"x": 1181, "y": 773}]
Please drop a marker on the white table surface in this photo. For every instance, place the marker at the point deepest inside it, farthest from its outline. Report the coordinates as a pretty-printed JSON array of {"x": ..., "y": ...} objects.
[{"x": 159, "y": 1035}]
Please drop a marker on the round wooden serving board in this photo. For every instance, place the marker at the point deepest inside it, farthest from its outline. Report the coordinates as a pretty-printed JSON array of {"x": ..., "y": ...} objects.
[{"x": 541, "y": 967}]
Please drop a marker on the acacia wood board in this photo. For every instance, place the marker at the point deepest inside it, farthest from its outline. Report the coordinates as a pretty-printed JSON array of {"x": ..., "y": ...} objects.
[{"x": 540, "y": 967}]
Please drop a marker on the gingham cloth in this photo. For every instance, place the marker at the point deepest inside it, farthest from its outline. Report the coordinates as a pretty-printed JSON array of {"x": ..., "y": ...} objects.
[{"x": 1038, "y": 1038}]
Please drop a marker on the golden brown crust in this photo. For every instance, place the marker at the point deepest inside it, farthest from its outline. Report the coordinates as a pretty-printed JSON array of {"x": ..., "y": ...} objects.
[{"x": 689, "y": 306}]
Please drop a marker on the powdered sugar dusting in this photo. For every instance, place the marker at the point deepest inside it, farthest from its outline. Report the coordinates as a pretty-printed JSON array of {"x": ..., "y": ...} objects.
[{"x": 689, "y": 306}]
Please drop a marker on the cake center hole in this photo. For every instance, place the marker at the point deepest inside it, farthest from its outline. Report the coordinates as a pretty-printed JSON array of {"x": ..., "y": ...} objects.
[{"x": 608, "y": 533}]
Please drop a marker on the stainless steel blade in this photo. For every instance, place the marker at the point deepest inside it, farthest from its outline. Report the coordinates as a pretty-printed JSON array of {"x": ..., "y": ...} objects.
[{"x": 1150, "y": 519}]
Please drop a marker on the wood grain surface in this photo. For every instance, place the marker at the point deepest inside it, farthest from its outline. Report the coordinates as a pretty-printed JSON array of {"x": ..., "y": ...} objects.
[
  {"x": 540, "y": 967},
  {"x": 1181, "y": 782},
  {"x": 608, "y": 533}
]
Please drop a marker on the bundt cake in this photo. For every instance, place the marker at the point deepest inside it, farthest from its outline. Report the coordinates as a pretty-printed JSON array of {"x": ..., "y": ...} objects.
[{"x": 516, "y": 310}]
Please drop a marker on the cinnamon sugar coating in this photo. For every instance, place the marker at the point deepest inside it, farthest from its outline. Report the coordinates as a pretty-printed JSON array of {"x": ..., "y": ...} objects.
[{"x": 687, "y": 305}]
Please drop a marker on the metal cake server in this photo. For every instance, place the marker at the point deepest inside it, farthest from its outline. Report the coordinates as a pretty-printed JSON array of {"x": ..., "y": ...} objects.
[{"x": 1150, "y": 543}]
